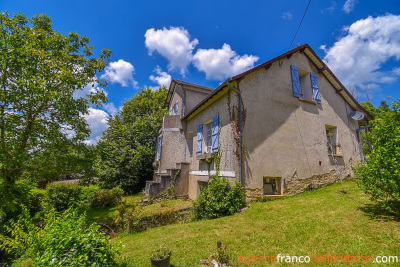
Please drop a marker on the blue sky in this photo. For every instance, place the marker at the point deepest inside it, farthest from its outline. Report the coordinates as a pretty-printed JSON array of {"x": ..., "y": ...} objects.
[{"x": 205, "y": 42}]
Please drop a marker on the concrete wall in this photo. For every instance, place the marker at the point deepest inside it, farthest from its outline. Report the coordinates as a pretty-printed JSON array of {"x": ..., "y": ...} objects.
[
  {"x": 188, "y": 98},
  {"x": 193, "y": 97},
  {"x": 172, "y": 150},
  {"x": 285, "y": 137},
  {"x": 177, "y": 95},
  {"x": 228, "y": 166},
  {"x": 174, "y": 141}
]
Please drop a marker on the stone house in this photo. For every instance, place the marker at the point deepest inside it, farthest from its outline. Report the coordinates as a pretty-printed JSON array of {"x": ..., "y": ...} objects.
[{"x": 294, "y": 119}]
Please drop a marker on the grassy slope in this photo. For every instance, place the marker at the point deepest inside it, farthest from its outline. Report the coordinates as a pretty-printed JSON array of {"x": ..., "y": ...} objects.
[
  {"x": 318, "y": 222},
  {"x": 104, "y": 215}
]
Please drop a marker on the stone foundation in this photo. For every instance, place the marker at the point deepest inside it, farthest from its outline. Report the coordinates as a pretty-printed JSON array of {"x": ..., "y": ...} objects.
[
  {"x": 253, "y": 194},
  {"x": 296, "y": 186}
]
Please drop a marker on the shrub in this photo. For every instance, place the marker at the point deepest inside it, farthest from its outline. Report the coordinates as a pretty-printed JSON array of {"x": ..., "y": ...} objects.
[
  {"x": 379, "y": 175},
  {"x": 218, "y": 199},
  {"x": 12, "y": 200},
  {"x": 60, "y": 196},
  {"x": 107, "y": 198},
  {"x": 64, "y": 240},
  {"x": 88, "y": 193},
  {"x": 34, "y": 200}
]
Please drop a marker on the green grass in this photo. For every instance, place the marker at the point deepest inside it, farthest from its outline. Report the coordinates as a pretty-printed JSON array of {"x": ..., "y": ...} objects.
[
  {"x": 105, "y": 215},
  {"x": 319, "y": 222}
]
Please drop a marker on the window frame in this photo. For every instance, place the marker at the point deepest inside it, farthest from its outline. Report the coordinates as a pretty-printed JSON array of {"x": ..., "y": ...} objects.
[
  {"x": 208, "y": 137},
  {"x": 305, "y": 85}
]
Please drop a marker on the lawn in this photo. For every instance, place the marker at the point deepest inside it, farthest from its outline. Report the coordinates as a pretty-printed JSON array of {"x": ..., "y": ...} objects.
[
  {"x": 107, "y": 214},
  {"x": 313, "y": 223}
]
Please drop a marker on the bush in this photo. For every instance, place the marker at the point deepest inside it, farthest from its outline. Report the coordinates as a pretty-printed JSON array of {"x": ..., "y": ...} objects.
[
  {"x": 65, "y": 240},
  {"x": 60, "y": 196},
  {"x": 12, "y": 200},
  {"x": 34, "y": 200},
  {"x": 218, "y": 199},
  {"x": 88, "y": 193},
  {"x": 380, "y": 174},
  {"x": 107, "y": 198}
]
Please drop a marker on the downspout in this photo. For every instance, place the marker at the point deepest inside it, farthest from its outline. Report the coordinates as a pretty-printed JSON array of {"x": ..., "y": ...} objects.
[{"x": 240, "y": 127}]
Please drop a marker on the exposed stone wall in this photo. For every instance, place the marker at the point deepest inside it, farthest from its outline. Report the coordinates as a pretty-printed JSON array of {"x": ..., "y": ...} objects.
[
  {"x": 297, "y": 186},
  {"x": 253, "y": 194}
]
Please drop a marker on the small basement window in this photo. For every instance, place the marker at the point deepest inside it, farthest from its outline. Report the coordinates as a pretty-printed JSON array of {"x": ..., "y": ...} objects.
[{"x": 272, "y": 186}]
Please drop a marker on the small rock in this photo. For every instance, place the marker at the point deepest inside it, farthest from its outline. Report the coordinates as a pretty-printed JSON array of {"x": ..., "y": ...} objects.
[{"x": 244, "y": 209}]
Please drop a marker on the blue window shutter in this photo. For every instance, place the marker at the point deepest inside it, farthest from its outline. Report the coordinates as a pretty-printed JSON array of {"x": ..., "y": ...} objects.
[
  {"x": 199, "y": 137},
  {"x": 159, "y": 146},
  {"x": 295, "y": 81},
  {"x": 315, "y": 88},
  {"x": 215, "y": 134}
]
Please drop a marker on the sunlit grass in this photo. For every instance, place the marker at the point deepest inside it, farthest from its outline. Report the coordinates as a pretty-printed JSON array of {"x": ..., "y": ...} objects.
[{"x": 319, "y": 222}]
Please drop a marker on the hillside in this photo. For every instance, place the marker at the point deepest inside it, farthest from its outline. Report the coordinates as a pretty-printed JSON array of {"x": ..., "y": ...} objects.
[{"x": 313, "y": 223}]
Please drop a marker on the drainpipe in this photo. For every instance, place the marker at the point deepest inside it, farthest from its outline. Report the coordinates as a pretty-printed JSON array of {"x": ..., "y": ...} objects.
[{"x": 240, "y": 126}]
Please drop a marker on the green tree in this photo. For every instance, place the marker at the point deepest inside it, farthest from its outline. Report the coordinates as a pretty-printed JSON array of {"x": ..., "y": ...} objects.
[
  {"x": 127, "y": 148},
  {"x": 40, "y": 70},
  {"x": 380, "y": 174},
  {"x": 368, "y": 106},
  {"x": 72, "y": 161}
]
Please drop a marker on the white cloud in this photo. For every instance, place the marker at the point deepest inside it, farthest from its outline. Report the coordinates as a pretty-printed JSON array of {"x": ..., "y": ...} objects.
[
  {"x": 120, "y": 72},
  {"x": 368, "y": 44},
  {"x": 97, "y": 120},
  {"x": 287, "y": 15},
  {"x": 349, "y": 6},
  {"x": 88, "y": 89},
  {"x": 163, "y": 78},
  {"x": 330, "y": 8},
  {"x": 174, "y": 44},
  {"x": 110, "y": 108},
  {"x": 219, "y": 64}
]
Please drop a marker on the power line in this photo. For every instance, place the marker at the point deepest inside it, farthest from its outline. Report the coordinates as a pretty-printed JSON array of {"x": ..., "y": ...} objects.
[{"x": 299, "y": 25}]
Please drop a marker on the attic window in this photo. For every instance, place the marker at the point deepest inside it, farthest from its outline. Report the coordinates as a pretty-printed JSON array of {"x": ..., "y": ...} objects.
[
  {"x": 174, "y": 109},
  {"x": 305, "y": 85}
]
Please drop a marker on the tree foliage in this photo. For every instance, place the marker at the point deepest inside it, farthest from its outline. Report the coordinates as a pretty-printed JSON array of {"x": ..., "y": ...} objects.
[
  {"x": 127, "y": 148},
  {"x": 40, "y": 70},
  {"x": 65, "y": 240},
  {"x": 380, "y": 174}
]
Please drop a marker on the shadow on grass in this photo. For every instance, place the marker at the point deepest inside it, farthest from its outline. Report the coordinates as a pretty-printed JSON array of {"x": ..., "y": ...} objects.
[{"x": 375, "y": 212}]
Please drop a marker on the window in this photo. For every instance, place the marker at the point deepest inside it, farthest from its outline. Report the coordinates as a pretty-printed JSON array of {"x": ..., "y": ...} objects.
[
  {"x": 174, "y": 109},
  {"x": 208, "y": 137},
  {"x": 272, "y": 186},
  {"x": 199, "y": 139},
  {"x": 305, "y": 84},
  {"x": 332, "y": 144},
  {"x": 159, "y": 144},
  {"x": 211, "y": 133}
]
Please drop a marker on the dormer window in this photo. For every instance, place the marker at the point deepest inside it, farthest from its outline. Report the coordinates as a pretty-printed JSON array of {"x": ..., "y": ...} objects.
[{"x": 305, "y": 85}]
